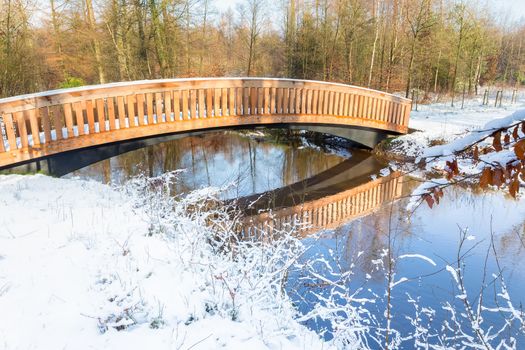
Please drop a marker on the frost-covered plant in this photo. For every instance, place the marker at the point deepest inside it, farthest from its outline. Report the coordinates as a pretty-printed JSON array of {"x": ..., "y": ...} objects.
[
  {"x": 234, "y": 278},
  {"x": 347, "y": 313}
]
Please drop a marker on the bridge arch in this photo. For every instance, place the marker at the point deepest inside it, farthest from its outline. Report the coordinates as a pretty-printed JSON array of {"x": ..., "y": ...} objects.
[{"x": 40, "y": 125}]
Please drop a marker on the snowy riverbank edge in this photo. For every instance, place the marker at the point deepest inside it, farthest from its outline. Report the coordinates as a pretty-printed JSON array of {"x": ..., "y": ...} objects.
[
  {"x": 82, "y": 266},
  {"x": 439, "y": 125}
]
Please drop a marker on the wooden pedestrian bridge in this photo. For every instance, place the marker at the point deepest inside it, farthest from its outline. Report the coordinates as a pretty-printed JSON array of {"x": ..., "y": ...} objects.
[{"x": 42, "y": 125}]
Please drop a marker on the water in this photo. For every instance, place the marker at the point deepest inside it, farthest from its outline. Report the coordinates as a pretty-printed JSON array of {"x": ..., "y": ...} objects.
[{"x": 285, "y": 173}]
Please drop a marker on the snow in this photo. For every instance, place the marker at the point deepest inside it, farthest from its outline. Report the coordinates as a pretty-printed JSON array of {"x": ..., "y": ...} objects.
[
  {"x": 453, "y": 273},
  {"x": 418, "y": 256},
  {"x": 81, "y": 269}
]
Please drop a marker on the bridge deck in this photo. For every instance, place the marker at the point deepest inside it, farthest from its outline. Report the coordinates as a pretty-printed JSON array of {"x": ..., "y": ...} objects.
[{"x": 39, "y": 125}]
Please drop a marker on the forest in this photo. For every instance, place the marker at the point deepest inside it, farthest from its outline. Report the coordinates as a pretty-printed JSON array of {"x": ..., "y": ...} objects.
[{"x": 432, "y": 46}]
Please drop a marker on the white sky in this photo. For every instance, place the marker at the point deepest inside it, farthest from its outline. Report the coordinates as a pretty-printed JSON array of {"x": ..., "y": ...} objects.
[{"x": 514, "y": 9}]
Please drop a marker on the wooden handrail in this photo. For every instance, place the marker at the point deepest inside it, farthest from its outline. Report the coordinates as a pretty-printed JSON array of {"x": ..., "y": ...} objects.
[{"x": 38, "y": 125}]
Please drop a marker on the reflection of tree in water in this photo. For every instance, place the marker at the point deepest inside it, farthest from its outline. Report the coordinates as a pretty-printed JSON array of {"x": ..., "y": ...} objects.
[{"x": 267, "y": 163}]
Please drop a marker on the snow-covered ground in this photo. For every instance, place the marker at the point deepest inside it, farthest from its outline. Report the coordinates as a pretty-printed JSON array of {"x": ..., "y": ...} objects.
[
  {"x": 440, "y": 123},
  {"x": 85, "y": 266}
]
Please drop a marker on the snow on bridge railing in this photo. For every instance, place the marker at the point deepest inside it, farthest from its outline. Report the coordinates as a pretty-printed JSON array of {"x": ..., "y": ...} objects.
[{"x": 38, "y": 125}]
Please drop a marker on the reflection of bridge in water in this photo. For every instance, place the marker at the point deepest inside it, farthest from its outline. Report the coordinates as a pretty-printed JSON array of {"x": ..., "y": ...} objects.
[{"x": 326, "y": 201}]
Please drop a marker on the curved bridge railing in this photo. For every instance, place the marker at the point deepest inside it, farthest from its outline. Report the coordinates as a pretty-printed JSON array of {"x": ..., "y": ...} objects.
[{"x": 39, "y": 125}]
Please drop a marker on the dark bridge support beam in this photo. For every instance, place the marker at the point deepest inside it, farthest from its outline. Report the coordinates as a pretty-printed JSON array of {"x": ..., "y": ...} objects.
[
  {"x": 63, "y": 163},
  {"x": 365, "y": 137}
]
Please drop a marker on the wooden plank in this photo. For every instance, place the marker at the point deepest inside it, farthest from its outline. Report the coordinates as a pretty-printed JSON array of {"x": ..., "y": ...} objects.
[
  {"x": 111, "y": 113},
  {"x": 10, "y": 131},
  {"x": 279, "y": 107},
  {"x": 149, "y": 108},
  {"x": 389, "y": 112},
  {"x": 130, "y": 99},
  {"x": 90, "y": 116},
  {"x": 320, "y": 103},
  {"x": 209, "y": 103},
  {"x": 266, "y": 102},
  {"x": 297, "y": 101},
  {"x": 315, "y": 101},
  {"x": 406, "y": 115},
  {"x": 368, "y": 108},
  {"x": 345, "y": 105},
  {"x": 2, "y": 139},
  {"x": 260, "y": 100},
  {"x": 238, "y": 102},
  {"x": 158, "y": 108},
  {"x": 245, "y": 101},
  {"x": 309, "y": 101},
  {"x": 355, "y": 107},
  {"x": 273, "y": 100},
  {"x": 330, "y": 103},
  {"x": 176, "y": 105},
  {"x": 185, "y": 98},
  {"x": 335, "y": 103},
  {"x": 304, "y": 97},
  {"x": 68, "y": 114},
  {"x": 193, "y": 104},
  {"x": 56, "y": 112},
  {"x": 216, "y": 102},
  {"x": 22, "y": 129},
  {"x": 121, "y": 111},
  {"x": 167, "y": 106},
  {"x": 379, "y": 109},
  {"x": 360, "y": 104},
  {"x": 253, "y": 101},
  {"x": 201, "y": 103},
  {"x": 35, "y": 129},
  {"x": 396, "y": 113},
  {"x": 231, "y": 101},
  {"x": 385, "y": 110},
  {"x": 101, "y": 115},
  {"x": 140, "y": 108},
  {"x": 291, "y": 102},
  {"x": 286, "y": 98},
  {"x": 224, "y": 102},
  {"x": 79, "y": 117},
  {"x": 373, "y": 113},
  {"x": 46, "y": 124}
]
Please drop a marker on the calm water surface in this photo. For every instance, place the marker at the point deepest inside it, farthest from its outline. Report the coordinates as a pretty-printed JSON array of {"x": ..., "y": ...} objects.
[{"x": 256, "y": 165}]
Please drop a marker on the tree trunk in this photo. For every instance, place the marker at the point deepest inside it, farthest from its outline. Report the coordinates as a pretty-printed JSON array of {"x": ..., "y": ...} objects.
[{"x": 96, "y": 43}]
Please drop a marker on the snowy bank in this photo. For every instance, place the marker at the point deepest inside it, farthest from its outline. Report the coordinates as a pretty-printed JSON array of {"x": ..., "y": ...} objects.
[
  {"x": 85, "y": 266},
  {"x": 439, "y": 123}
]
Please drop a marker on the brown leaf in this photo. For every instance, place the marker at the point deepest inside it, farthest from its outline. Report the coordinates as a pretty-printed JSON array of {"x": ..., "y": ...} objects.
[
  {"x": 486, "y": 178},
  {"x": 506, "y": 139},
  {"x": 497, "y": 141},
  {"x": 514, "y": 187},
  {"x": 519, "y": 149},
  {"x": 515, "y": 135},
  {"x": 430, "y": 201},
  {"x": 523, "y": 127},
  {"x": 498, "y": 178},
  {"x": 476, "y": 153}
]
